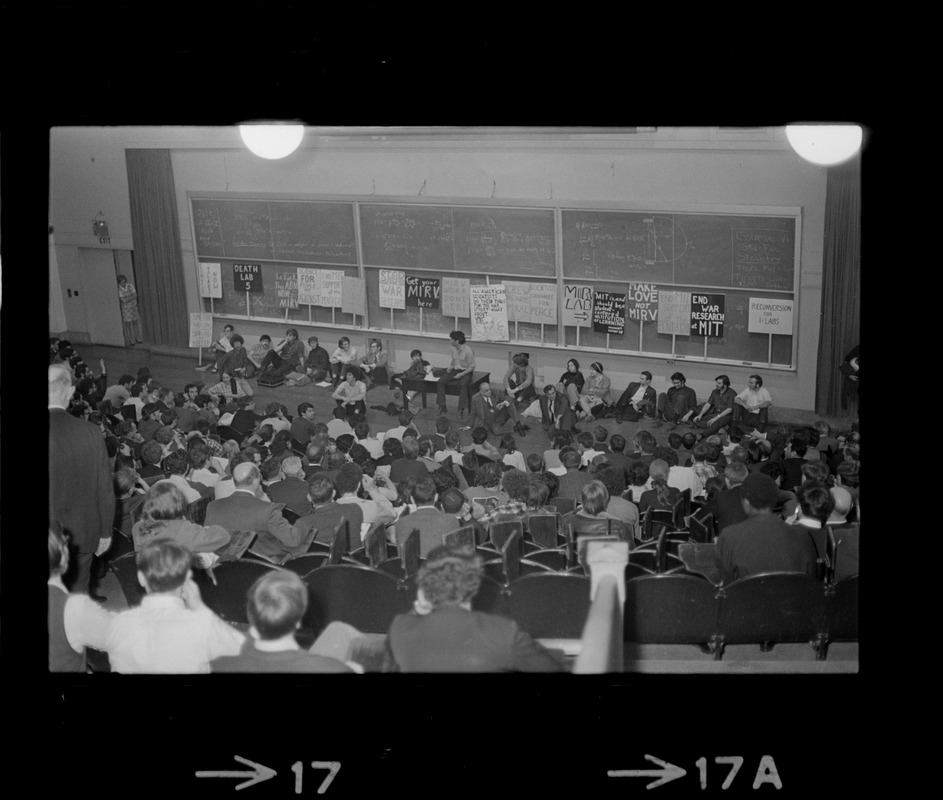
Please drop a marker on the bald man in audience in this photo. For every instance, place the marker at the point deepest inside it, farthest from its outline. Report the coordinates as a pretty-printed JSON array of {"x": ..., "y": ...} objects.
[
  {"x": 292, "y": 489},
  {"x": 81, "y": 495},
  {"x": 243, "y": 511}
]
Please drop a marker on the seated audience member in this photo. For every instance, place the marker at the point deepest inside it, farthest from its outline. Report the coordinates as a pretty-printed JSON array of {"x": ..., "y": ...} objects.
[
  {"x": 374, "y": 365},
  {"x": 514, "y": 484},
  {"x": 202, "y": 471},
  {"x": 828, "y": 444},
  {"x": 119, "y": 392},
  {"x": 343, "y": 357},
  {"x": 762, "y": 542},
  {"x": 426, "y": 453},
  {"x": 535, "y": 463},
  {"x": 456, "y": 505},
  {"x": 163, "y": 516},
  {"x": 431, "y": 523},
  {"x": 487, "y": 495},
  {"x": 230, "y": 388},
  {"x": 443, "y": 634},
  {"x": 594, "y": 498},
  {"x": 638, "y": 400},
  {"x": 815, "y": 507},
  {"x": 325, "y": 515},
  {"x": 844, "y": 532},
  {"x": 452, "y": 441},
  {"x": 595, "y": 393},
  {"x": 172, "y": 631},
  {"x": 287, "y": 356},
  {"x": 793, "y": 461},
  {"x": 415, "y": 371},
  {"x": 75, "y": 621},
  {"x": 481, "y": 446},
  {"x": 374, "y": 446},
  {"x": 409, "y": 464},
  {"x": 639, "y": 481},
  {"x": 573, "y": 480},
  {"x": 623, "y": 510},
  {"x": 151, "y": 456},
  {"x": 339, "y": 425},
  {"x": 586, "y": 442},
  {"x": 815, "y": 471},
  {"x": 130, "y": 493},
  {"x": 350, "y": 394},
  {"x": 510, "y": 454},
  {"x": 292, "y": 489},
  {"x": 244, "y": 511},
  {"x": 751, "y": 406},
  {"x": 726, "y": 505},
  {"x": 661, "y": 496},
  {"x": 774, "y": 469},
  {"x": 276, "y": 603},
  {"x": 176, "y": 467},
  {"x": 317, "y": 364},
  {"x": 376, "y": 507}
]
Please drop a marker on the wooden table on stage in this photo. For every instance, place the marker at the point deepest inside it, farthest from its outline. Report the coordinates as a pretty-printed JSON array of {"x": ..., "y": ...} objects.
[{"x": 422, "y": 386}]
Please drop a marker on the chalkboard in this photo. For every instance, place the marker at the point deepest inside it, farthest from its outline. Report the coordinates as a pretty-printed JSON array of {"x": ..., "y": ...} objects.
[
  {"x": 308, "y": 232},
  {"x": 269, "y": 303},
  {"x": 705, "y": 250},
  {"x": 511, "y": 241}
]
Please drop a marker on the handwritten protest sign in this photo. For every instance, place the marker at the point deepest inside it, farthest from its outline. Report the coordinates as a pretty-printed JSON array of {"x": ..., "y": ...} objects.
[
  {"x": 422, "y": 292},
  {"x": 674, "y": 313},
  {"x": 578, "y": 305},
  {"x": 201, "y": 329},
  {"x": 286, "y": 288},
  {"x": 770, "y": 315},
  {"x": 642, "y": 302},
  {"x": 707, "y": 314},
  {"x": 455, "y": 297},
  {"x": 489, "y": 313},
  {"x": 353, "y": 296},
  {"x": 211, "y": 282},
  {"x": 392, "y": 288},
  {"x": 609, "y": 313}
]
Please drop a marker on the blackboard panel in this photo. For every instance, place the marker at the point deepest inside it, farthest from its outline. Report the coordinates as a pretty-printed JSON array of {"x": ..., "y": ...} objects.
[
  {"x": 318, "y": 233},
  {"x": 695, "y": 249},
  {"x": 515, "y": 241},
  {"x": 406, "y": 236},
  {"x": 307, "y": 232},
  {"x": 267, "y": 304}
]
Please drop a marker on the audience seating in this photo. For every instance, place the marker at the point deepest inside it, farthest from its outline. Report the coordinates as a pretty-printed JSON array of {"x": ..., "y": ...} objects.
[
  {"x": 407, "y": 563},
  {"x": 361, "y": 596},
  {"x": 125, "y": 569},
  {"x": 842, "y": 613},
  {"x": 463, "y": 537},
  {"x": 306, "y": 562},
  {"x": 701, "y": 528},
  {"x": 552, "y": 605},
  {"x": 290, "y": 516},
  {"x": 671, "y": 609},
  {"x": 501, "y": 532},
  {"x": 196, "y": 511},
  {"x": 545, "y": 529},
  {"x": 225, "y": 586},
  {"x": 700, "y": 558},
  {"x": 563, "y": 505}
]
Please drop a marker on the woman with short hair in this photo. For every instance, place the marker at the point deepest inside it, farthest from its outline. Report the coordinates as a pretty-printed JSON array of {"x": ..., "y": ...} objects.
[{"x": 164, "y": 516}]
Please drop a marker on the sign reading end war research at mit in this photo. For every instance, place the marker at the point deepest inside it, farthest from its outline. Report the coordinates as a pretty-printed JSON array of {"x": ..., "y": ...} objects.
[
  {"x": 609, "y": 313},
  {"x": 769, "y": 315},
  {"x": 707, "y": 315},
  {"x": 392, "y": 288},
  {"x": 247, "y": 278},
  {"x": 211, "y": 282},
  {"x": 201, "y": 329}
]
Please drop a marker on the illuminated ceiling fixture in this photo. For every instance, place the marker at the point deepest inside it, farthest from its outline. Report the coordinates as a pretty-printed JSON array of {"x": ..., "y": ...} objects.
[
  {"x": 272, "y": 141},
  {"x": 825, "y": 145}
]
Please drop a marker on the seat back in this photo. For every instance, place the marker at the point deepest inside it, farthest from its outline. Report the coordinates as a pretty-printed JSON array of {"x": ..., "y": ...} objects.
[
  {"x": 340, "y": 542},
  {"x": 196, "y": 511},
  {"x": 463, "y": 537},
  {"x": 224, "y": 589},
  {"x": 290, "y": 516},
  {"x": 501, "y": 532},
  {"x": 544, "y": 529},
  {"x": 670, "y": 609},
  {"x": 125, "y": 569},
  {"x": 773, "y": 607},
  {"x": 306, "y": 562},
  {"x": 563, "y": 505},
  {"x": 376, "y": 544},
  {"x": 843, "y": 610},
  {"x": 551, "y": 605},
  {"x": 409, "y": 554},
  {"x": 700, "y": 558},
  {"x": 682, "y": 508},
  {"x": 363, "y": 597},
  {"x": 701, "y": 528}
]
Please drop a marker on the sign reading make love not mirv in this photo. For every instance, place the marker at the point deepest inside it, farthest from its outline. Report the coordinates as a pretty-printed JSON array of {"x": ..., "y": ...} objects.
[{"x": 247, "y": 278}]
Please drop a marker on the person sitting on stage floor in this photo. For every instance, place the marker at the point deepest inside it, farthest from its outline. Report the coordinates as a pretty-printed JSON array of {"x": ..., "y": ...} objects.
[
  {"x": 230, "y": 387},
  {"x": 344, "y": 356},
  {"x": 638, "y": 400},
  {"x": 595, "y": 394},
  {"x": 350, "y": 394},
  {"x": 677, "y": 405},
  {"x": 287, "y": 356},
  {"x": 172, "y": 631},
  {"x": 415, "y": 371},
  {"x": 375, "y": 365},
  {"x": 459, "y": 373},
  {"x": 718, "y": 408},
  {"x": 276, "y": 604},
  {"x": 222, "y": 347},
  {"x": 751, "y": 406},
  {"x": 556, "y": 412},
  {"x": 443, "y": 634},
  {"x": 237, "y": 362},
  {"x": 317, "y": 364},
  {"x": 571, "y": 384},
  {"x": 492, "y": 409},
  {"x": 519, "y": 381}
]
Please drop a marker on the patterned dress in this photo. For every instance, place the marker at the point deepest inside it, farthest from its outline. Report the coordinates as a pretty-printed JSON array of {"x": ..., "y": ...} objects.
[{"x": 129, "y": 302}]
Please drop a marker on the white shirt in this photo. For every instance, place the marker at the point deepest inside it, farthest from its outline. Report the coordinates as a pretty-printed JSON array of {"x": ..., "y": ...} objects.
[
  {"x": 516, "y": 460},
  {"x": 190, "y": 494},
  {"x": 372, "y": 510},
  {"x": 339, "y": 427},
  {"x": 685, "y": 478},
  {"x": 86, "y": 623},
  {"x": 373, "y": 446},
  {"x": 444, "y": 454},
  {"x": 752, "y": 399},
  {"x": 205, "y": 477},
  {"x": 162, "y": 635},
  {"x": 276, "y": 423}
]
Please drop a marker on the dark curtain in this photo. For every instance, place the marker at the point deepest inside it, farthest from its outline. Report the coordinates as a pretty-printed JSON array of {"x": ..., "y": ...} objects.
[
  {"x": 841, "y": 288},
  {"x": 158, "y": 265}
]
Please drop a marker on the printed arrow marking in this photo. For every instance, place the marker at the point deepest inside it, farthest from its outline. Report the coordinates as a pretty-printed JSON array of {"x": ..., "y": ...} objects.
[
  {"x": 258, "y": 774},
  {"x": 669, "y": 773}
]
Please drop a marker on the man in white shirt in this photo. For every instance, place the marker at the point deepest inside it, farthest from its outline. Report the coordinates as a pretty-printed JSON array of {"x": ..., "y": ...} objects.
[
  {"x": 172, "y": 631},
  {"x": 349, "y": 479},
  {"x": 373, "y": 446},
  {"x": 177, "y": 465},
  {"x": 751, "y": 406}
]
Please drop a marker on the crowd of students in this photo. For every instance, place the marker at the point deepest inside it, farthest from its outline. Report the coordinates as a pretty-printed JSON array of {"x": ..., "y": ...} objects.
[{"x": 290, "y": 478}]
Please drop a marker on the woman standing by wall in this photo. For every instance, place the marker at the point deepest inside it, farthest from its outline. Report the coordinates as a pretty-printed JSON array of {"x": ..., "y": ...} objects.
[{"x": 130, "y": 319}]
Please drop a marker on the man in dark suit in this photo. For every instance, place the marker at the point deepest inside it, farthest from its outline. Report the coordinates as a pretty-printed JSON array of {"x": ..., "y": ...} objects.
[
  {"x": 443, "y": 634},
  {"x": 793, "y": 461},
  {"x": 727, "y": 506},
  {"x": 572, "y": 483},
  {"x": 492, "y": 409},
  {"x": 638, "y": 400},
  {"x": 555, "y": 411},
  {"x": 409, "y": 465},
  {"x": 292, "y": 489},
  {"x": 81, "y": 494},
  {"x": 243, "y": 511},
  {"x": 326, "y": 515},
  {"x": 763, "y": 542},
  {"x": 427, "y": 519},
  {"x": 245, "y": 420}
]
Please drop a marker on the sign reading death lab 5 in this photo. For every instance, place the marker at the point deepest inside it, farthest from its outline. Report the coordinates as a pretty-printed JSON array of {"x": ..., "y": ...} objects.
[
  {"x": 247, "y": 277},
  {"x": 707, "y": 315}
]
